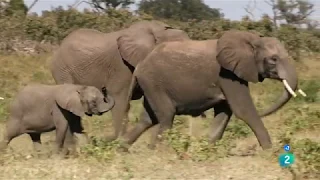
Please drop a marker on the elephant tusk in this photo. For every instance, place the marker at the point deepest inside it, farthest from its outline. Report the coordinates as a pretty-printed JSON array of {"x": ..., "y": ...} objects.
[
  {"x": 1, "y": 98},
  {"x": 302, "y": 93},
  {"x": 286, "y": 85}
]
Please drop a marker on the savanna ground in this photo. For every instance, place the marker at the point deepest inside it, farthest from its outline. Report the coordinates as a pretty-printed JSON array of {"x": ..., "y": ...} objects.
[{"x": 237, "y": 156}]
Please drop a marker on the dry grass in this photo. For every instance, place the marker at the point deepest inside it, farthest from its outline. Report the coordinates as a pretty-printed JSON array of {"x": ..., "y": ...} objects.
[{"x": 226, "y": 162}]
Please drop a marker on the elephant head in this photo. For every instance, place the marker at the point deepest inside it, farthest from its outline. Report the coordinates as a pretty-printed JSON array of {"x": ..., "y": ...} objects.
[
  {"x": 136, "y": 42},
  {"x": 82, "y": 100},
  {"x": 254, "y": 58}
]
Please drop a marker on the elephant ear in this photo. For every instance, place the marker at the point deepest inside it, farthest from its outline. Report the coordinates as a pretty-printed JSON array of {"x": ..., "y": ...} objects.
[
  {"x": 134, "y": 45},
  {"x": 236, "y": 52},
  {"x": 69, "y": 99}
]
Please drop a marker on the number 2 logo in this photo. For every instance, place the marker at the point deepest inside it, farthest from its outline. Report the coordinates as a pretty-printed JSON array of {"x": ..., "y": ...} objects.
[{"x": 287, "y": 159}]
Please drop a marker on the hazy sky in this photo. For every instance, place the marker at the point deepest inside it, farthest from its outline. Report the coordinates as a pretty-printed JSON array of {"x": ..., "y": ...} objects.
[{"x": 233, "y": 9}]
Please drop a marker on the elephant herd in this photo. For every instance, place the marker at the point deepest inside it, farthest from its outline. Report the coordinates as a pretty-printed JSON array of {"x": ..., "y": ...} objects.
[{"x": 175, "y": 75}]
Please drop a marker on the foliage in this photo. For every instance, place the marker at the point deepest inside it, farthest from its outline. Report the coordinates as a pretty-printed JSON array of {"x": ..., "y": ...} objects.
[
  {"x": 56, "y": 24},
  {"x": 16, "y": 8},
  {"x": 308, "y": 151},
  {"x": 179, "y": 10},
  {"x": 310, "y": 87},
  {"x": 294, "y": 11},
  {"x": 100, "y": 149},
  {"x": 108, "y": 5}
]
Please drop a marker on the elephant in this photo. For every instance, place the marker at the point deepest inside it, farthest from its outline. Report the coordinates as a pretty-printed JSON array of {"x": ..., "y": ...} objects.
[
  {"x": 190, "y": 77},
  {"x": 40, "y": 108},
  {"x": 90, "y": 57}
]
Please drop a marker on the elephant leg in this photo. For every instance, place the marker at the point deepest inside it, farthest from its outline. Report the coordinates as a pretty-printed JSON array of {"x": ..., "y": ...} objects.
[
  {"x": 238, "y": 96},
  {"x": 153, "y": 137},
  {"x": 164, "y": 125},
  {"x": 164, "y": 113},
  {"x": 222, "y": 115},
  {"x": 119, "y": 116},
  {"x": 147, "y": 120},
  {"x": 13, "y": 130},
  {"x": 69, "y": 145},
  {"x": 61, "y": 131},
  {"x": 77, "y": 131},
  {"x": 36, "y": 139}
]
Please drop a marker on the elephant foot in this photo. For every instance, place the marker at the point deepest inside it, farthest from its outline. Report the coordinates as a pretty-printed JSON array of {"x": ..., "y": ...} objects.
[
  {"x": 110, "y": 138},
  {"x": 266, "y": 146},
  {"x": 82, "y": 138},
  {"x": 214, "y": 139},
  {"x": 69, "y": 154},
  {"x": 60, "y": 153},
  {"x": 123, "y": 147},
  {"x": 215, "y": 136}
]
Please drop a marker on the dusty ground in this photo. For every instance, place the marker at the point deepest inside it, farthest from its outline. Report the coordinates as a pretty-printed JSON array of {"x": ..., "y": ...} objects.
[{"x": 142, "y": 163}]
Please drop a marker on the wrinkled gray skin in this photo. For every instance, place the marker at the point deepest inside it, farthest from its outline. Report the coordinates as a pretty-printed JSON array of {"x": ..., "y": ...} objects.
[
  {"x": 42, "y": 108},
  {"x": 90, "y": 57},
  {"x": 190, "y": 77}
]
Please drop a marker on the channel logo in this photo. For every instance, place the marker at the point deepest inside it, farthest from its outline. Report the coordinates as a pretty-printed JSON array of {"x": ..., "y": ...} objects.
[{"x": 286, "y": 159}]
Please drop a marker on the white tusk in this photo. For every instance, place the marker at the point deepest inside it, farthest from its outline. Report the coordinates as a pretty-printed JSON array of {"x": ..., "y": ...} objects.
[
  {"x": 302, "y": 93},
  {"x": 1, "y": 98},
  {"x": 289, "y": 88}
]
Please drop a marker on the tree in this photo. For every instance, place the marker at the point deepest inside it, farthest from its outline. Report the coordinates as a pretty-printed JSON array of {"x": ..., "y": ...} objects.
[
  {"x": 16, "y": 7},
  {"x": 105, "y": 5},
  {"x": 293, "y": 12},
  {"x": 182, "y": 10},
  {"x": 32, "y": 5}
]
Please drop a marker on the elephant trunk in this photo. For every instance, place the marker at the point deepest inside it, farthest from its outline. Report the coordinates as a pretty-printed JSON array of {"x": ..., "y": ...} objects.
[
  {"x": 111, "y": 102},
  {"x": 288, "y": 75}
]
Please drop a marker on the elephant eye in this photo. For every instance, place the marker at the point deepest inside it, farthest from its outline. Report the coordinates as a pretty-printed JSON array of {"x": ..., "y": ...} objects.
[
  {"x": 272, "y": 60},
  {"x": 275, "y": 58}
]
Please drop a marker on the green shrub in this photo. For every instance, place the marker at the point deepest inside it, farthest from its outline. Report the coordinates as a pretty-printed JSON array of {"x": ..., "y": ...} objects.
[
  {"x": 56, "y": 24},
  {"x": 311, "y": 88},
  {"x": 100, "y": 149}
]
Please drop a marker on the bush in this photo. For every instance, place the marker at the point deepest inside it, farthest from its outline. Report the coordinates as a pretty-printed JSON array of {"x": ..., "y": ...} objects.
[{"x": 56, "y": 24}]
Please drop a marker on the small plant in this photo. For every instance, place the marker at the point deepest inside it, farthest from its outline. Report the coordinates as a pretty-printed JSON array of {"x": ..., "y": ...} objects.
[
  {"x": 179, "y": 141},
  {"x": 238, "y": 128},
  {"x": 312, "y": 89},
  {"x": 100, "y": 149},
  {"x": 308, "y": 152},
  {"x": 200, "y": 149},
  {"x": 302, "y": 118}
]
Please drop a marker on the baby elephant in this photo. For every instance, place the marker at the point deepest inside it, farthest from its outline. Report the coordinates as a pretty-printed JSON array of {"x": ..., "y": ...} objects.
[{"x": 42, "y": 108}]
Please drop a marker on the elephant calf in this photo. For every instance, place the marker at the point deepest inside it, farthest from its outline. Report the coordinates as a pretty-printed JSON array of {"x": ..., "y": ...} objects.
[{"x": 42, "y": 108}]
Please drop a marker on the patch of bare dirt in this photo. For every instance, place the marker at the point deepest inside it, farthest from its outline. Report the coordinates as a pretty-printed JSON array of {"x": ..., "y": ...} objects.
[{"x": 141, "y": 163}]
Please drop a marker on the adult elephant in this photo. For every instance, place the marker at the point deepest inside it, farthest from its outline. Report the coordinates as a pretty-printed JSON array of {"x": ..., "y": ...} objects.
[
  {"x": 191, "y": 77},
  {"x": 90, "y": 57}
]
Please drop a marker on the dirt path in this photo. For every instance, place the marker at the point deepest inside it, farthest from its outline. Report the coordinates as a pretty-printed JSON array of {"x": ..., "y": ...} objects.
[{"x": 141, "y": 163}]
